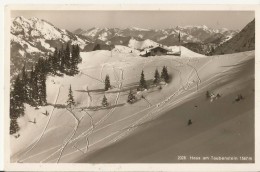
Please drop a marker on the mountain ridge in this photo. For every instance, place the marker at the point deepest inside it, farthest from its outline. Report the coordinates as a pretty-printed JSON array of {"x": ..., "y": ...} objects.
[
  {"x": 243, "y": 41},
  {"x": 35, "y": 38}
]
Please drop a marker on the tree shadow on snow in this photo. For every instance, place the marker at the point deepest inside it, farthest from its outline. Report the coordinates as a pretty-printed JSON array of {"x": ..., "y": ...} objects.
[
  {"x": 58, "y": 106},
  {"x": 92, "y": 91},
  {"x": 96, "y": 108}
]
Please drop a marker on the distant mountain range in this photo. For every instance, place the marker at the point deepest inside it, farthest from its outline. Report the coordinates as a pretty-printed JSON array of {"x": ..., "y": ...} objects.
[
  {"x": 168, "y": 37},
  {"x": 34, "y": 38},
  {"x": 191, "y": 36}
]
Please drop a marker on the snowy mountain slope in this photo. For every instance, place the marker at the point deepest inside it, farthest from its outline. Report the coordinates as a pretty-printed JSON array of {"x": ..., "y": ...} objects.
[
  {"x": 220, "y": 127},
  {"x": 243, "y": 41},
  {"x": 89, "y": 128},
  {"x": 33, "y": 38}
]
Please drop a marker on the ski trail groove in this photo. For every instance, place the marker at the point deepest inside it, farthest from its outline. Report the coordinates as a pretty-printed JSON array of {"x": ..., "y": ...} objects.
[
  {"x": 158, "y": 109},
  {"x": 93, "y": 78},
  {"x": 99, "y": 122},
  {"x": 92, "y": 126},
  {"x": 44, "y": 127},
  {"x": 83, "y": 134},
  {"x": 73, "y": 133},
  {"x": 101, "y": 72},
  {"x": 147, "y": 102}
]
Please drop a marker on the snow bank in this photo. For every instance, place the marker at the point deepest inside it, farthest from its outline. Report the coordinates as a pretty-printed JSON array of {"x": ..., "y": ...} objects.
[{"x": 185, "y": 52}]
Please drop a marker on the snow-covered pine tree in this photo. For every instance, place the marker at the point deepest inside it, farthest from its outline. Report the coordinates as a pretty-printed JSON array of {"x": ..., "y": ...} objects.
[
  {"x": 131, "y": 97},
  {"x": 107, "y": 83},
  {"x": 62, "y": 59},
  {"x": 67, "y": 59},
  {"x": 25, "y": 85},
  {"x": 17, "y": 100},
  {"x": 74, "y": 61},
  {"x": 16, "y": 105},
  {"x": 35, "y": 90},
  {"x": 156, "y": 77},
  {"x": 14, "y": 127},
  {"x": 30, "y": 87},
  {"x": 55, "y": 61},
  {"x": 142, "y": 83},
  {"x": 42, "y": 82},
  {"x": 164, "y": 75},
  {"x": 78, "y": 54},
  {"x": 47, "y": 65},
  {"x": 70, "y": 101},
  {"x": 104, "y": 101}
]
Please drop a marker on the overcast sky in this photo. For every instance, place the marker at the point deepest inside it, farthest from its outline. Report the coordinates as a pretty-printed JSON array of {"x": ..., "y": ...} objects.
[{"x": 72, "y": 20}]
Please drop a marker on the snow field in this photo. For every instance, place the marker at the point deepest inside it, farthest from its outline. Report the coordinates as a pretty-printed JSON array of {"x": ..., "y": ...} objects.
[{"x": 112, "y": 123}]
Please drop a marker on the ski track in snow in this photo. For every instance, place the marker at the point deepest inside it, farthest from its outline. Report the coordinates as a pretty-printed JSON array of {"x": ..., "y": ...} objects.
[
  {"x": 115, "y": 75},
  {"x": 157, "y": 106},
  {"x": 117, "y": 99},
  {"x": 93, "y": 127},
  {"x": 93, "y": 78},
  {"x": 149, "y": 104},
  {"x": 133, "y": 125},
  {"x": 73, "y": 133},
  {"x": 101, "y": 72},
  {"x": 43, "y": 129},
  {"x": 99, "y": 122},
  {"x": 169, "y": 105},
  {"x": 87, "y": 137},
  {"x": 105, "y": 117},
  {"x": 116, "y": 102}
]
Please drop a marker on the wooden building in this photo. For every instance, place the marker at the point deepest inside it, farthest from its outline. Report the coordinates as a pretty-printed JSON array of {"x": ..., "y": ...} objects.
[{"x": 156, "y": 51}]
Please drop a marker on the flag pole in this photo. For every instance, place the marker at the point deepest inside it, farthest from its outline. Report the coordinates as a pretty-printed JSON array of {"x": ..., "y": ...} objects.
[{"x": 180, "y": 43}]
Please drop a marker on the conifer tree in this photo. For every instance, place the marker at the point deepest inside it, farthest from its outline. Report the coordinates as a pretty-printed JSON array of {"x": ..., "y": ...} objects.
[
  {"x": 62, "y": 60},
  {"x": 16, "y": 105},
  {"x": 55, "y": 61},
  {"x": 142, "y": 83},
  {"x": 156, "y": 77},
  {"x": 16, "y": 100},
  {"x": 41, "y": 82},
  {"x": 131, "y": 97},
  {"x": 70, "y": 101},
  {"x": 78, "y": 54},
  {"x": 74, "y": 61},
  {"x": 14, "y": 127},
  {"x": 67, "y": 59},
  {"x": 30, "y": 87},
  {"x": 107, "y": 83},
  {"x": 25, "y": 85},
  {"x": 97, "y": 47},
  {"x": 47, "y": 64},
  {"x": 35, "y": 89},
  {"x": 104, "y": 102},
  {"x": 165, "y": 75}
]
